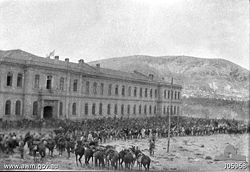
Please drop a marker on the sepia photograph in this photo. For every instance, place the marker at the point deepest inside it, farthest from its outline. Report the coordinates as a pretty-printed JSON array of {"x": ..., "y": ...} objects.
[{"x": 124, "y": 85}]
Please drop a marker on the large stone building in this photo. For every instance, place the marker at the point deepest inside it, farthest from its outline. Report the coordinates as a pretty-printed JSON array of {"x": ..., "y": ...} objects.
[{"x": 37, "y": 87}]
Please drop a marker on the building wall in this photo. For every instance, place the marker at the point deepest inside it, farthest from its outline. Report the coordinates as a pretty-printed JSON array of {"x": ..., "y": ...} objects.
[{"x": 28, "y": 94}]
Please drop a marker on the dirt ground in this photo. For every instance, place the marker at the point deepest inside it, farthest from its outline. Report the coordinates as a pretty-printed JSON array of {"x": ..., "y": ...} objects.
[{"x": 186, "y": 154}]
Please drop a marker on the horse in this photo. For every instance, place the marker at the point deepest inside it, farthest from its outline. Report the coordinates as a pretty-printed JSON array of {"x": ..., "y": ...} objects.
[
  {"x": 129, "y": 159},
  {"x": 99, "y": 156},
  {"x": 50, "y": 145},
  {"x": 80, "y": 150},
  {"x": 40, "y": 147}
]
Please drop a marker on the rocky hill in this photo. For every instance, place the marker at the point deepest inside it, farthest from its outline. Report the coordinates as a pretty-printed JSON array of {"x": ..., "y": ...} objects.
[{"x": 207, "y": 78}]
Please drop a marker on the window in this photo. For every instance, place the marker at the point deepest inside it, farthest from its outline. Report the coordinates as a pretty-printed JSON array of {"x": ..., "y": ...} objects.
[
  {"x": 9, "y": 79},
  {"x": 134, "y": 109},
  {"x": 19, "y": 80},
  {"x": 87, "y": 87},
  {"x": 140, "y": 92},
  {"x": 135, "y": 92},
  {"x": 110, "y": 90},
  {"x": 37, "y": 80},
  {"x": 116, "y": 90},
  {"x": 75, "y": 85},
  {"x": 155, "y": 110},
  {"x": 93, "y": 109},
  {"x": 145, "y": 109},
  {"x": 164, "y": 110},
  {"x": 128, "y": 109},
  {"x": 95, "y": 88},
  {"x": 74, "y": 109},
  {"x": 168, "y": 94},
  {"x": 122, "y": 109},
  {"x": 61, "y": 109},
  {"x": 156, "y": 93},
  {"x": 100, "y": 109},
  {"x": 178, "y": 95},
  {"x": 8, "y": 107},
  {"x": 139, "y": 109},
  {"x": 102, "y": 87},
  {"x": 175, "y": 95},
  {"x": 62, "y": 83},
  {"x": 18, "y": 107},
  {"x": 174, "y": 110},
  {"x": 150, "y": 109},
  {"x": 115, "y": 109},
  {"x": 35, "y": 108},
  {"x": 49, "y": 82},
  {"x": 168, "y": 110},
  {"x": 123, "y": 90},
  {"x": 165, "y": 94},
  {"x": 151, "y": 93},
  {"x": 108, "y": 109},
  {"x": 172, "y": 95},
  {"x": 86, "y": 108},
  {"x": 129, "y": 91},
  {"x": 146, "y": 92}
]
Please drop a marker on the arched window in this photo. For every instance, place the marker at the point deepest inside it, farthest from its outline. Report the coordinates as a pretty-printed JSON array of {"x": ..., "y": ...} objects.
[
  {"x": 128, "y": 110},
  {"x": 134, "y": 109},
  {"x": 168, "y": 94},
  {"x": 108, "y": 109},
  {"x": 115, "y": 109},
  {"x": 150, "y": 109},
  {"x": 8, "y": 107},
  {"x": 100, "y": 109},
  {"x": 175, "y": 95},
  {"x": 86, "y": 108},
  {"x": 151, "y": 93},
  {"x": 139, "y": 109},
  {"x": 95, "y": 88},
  {"x": 122, "y": 109},
  {"x": 9, "y": 79},
  {"x": 155, "y": 110},
  {"x": 35, "y": 108},
  {"x": 49, "y": 82},
  {"x": 93, "y": 109},
  {"x": 102, "y": 88},
  {"x": 116, "y": 90},
  {"x": 61, "y": 109},
  {"x": 145, "y": 109},
  {"x": 19, "y": 80},
  {"x": 174, "y": 110},
  {"x": 37, "y": 81},
  {"x": 74, "y": 109},
  {"x": 62, "y": 83},
  {"x": 18, "y": 107},
  {"x": 172, "y": 94}
]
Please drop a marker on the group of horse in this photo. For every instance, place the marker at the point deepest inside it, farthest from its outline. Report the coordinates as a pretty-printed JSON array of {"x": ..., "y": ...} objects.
[{"x": 101, "y": 156}]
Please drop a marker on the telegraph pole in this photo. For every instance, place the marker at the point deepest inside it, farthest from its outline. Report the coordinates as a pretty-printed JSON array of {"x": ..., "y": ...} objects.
[{"x": 170, "y": 114}]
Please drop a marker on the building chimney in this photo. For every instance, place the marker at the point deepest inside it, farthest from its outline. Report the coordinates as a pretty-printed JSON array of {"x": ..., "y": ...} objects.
[
  {"x": 81, "y": 61},
  {"x": 151, "y": 76},
  {"x": 98, "y": 65},
  {"x": 56, "y": 57},
  {"x": 66, "y": 59}
]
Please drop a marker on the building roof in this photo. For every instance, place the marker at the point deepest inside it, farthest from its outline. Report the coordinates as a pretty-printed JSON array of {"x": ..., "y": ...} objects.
[{"x": 21, "y": 55}]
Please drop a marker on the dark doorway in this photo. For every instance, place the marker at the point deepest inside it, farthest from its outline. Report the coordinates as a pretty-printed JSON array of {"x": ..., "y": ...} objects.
[{"x": 47, "y": 112}]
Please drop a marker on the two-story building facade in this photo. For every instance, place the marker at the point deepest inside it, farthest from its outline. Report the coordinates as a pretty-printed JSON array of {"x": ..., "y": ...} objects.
[{"x": 36, "y": 87}]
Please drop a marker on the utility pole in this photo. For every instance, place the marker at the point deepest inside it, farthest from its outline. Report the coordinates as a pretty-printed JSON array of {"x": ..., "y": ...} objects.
[{"x": 170, "y": 114}]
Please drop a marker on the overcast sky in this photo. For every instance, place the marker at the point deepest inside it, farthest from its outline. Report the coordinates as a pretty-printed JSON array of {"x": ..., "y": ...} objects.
[{"x": 98, "y": 29}]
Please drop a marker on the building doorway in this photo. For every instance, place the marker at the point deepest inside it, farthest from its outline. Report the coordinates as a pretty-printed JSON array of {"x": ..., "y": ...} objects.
[{"x": 48, "y": 112}]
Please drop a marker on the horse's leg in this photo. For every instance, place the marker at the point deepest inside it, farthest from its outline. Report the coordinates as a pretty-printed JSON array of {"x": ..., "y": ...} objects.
[
  {"x": 76, "y": 160},
  {"x": 80, "y": 159}
]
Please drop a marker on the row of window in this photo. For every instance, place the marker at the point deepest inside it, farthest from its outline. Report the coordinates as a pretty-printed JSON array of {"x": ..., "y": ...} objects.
[
  {"x": 171, "y": 94},
  {"x": 9, "y": 80},
  {"x": 17, "y": 107}
]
